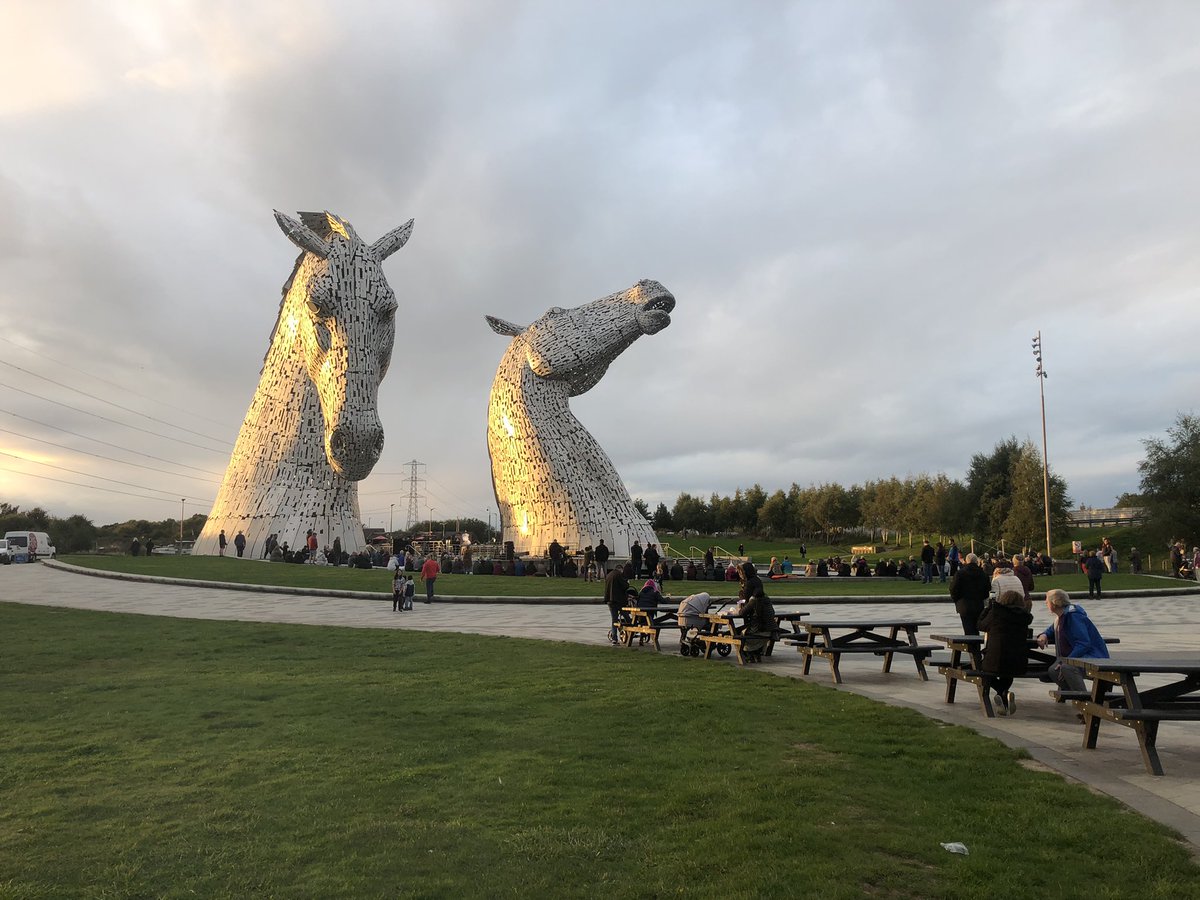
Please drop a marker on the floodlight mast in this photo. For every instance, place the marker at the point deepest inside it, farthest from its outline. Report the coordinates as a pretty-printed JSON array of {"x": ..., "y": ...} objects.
[{"x": 1041, "y": 377}]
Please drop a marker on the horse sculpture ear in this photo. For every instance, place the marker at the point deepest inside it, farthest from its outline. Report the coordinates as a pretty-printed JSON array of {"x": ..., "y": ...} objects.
[
  {"x": 392, "y": 241},
  {"x": 500, "y": 326},
  {"x": 302, "y": 236}
]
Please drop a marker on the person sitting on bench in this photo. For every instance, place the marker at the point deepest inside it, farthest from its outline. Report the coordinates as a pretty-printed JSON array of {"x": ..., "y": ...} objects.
[
  {"x": 1006, "y": 622},
  {"x": 1073, "y": 634}
]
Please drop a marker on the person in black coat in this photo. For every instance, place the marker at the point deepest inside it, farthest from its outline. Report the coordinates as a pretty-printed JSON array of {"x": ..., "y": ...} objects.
[
  {"x": 616, "y": 591},
  {"x": 969, "y": 589},
  {"x": 758, "y": 610},
  {"x": 1005, "y": 656}
]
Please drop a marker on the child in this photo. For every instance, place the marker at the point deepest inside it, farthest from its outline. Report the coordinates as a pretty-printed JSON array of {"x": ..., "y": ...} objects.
[{"x": 400, "y": 589}]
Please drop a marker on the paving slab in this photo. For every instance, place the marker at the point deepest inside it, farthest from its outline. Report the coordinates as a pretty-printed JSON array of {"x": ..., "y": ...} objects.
[{"x": 1047, "y": 730}]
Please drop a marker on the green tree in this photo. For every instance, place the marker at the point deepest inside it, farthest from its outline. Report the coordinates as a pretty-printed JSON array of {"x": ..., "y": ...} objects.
[
  {"x": 1171, "y": 481},
  {"x": 663, "y": 518},
  {"x": 774, "y": 516},
  {"x": 988, "y": 485},
  {"x": 640, "y": 505}
]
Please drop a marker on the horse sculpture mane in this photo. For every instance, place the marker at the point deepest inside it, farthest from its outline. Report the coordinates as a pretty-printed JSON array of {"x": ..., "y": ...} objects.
[
  {"x": 312, "y": 430},
  {"x": 552, "y": 480}
]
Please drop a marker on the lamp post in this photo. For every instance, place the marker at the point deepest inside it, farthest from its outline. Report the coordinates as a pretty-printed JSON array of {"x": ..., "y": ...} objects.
[
  {"x": 182, "y": 500},
  {"x": 391, "y": 517},
  {"x": 431, "y": 523},
  {"x": 1041, "y": 377}
]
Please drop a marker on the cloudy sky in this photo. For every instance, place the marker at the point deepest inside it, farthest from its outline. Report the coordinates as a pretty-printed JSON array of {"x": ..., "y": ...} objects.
[{"x": 865, "y": 211}]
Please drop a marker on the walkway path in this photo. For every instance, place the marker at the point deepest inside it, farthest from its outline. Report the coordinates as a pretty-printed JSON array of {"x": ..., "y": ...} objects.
[{"x": 1048, "y": 731}]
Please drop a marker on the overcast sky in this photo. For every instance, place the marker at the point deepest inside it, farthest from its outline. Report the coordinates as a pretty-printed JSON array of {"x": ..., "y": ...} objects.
[{"x": 865, "y": 212}]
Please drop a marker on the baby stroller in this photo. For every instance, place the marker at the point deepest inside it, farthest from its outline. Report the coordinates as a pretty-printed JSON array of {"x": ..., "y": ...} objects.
[{"x": 691, "y": 626}]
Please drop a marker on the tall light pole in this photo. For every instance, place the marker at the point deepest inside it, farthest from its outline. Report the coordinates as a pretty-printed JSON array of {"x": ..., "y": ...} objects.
[
  {"x": 1041, "y": 377},
  {"x": 391, "y": 518},
  {"x": 182, "y": 500},
  {"x": 431, "y": 523}
]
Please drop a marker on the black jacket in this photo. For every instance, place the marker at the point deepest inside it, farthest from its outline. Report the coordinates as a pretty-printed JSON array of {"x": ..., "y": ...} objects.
[
  {"x": 1007, "y": 630},
  {"x": 969, "y": 589}
]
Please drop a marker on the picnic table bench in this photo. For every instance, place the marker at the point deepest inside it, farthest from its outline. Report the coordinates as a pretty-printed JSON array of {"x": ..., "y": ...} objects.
[
  {"x": 646, "y": 622},
  {"x": 970, "y": 670},
  {"x": 880, "y": 637},
  {"x": 1135, "y": 707},
  {"x": 966, "y": 664}
]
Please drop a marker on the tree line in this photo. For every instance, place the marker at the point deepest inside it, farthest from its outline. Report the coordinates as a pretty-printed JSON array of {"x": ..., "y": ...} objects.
[{"x": 1002, "y": 498}]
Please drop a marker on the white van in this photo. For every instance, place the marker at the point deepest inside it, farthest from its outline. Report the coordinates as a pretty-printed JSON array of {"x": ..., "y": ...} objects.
[
  {"x": 5, "y": 556},
  {"x": 27, "y": 546}
]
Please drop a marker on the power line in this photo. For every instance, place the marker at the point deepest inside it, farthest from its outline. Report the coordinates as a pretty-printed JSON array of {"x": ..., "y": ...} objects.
[
  {"x": 107, "y": 443},
  {"x": 110, "y": 403},
  {"x": 122, "y": 462},
  {"x": 93, "y": 487},
  {"x": 121, "y": 387},
  {"x": 84, "y": 474},
  {"x": 165, "y": 437}
]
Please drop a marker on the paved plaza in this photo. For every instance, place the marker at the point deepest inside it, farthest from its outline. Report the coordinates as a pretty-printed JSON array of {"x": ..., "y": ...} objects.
[{"x": 1048, "y": 731}]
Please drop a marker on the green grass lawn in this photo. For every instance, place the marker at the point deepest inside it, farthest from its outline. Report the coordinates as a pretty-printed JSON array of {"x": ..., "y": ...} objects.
[
  {"x": 143, "y": 756},
  {"x": 243, "y": 571}
]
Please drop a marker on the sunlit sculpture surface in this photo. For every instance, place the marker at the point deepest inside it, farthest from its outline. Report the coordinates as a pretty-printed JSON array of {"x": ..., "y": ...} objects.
[
  {"x": 312, "y": 431},
  {"x": 552, "y": 480}
]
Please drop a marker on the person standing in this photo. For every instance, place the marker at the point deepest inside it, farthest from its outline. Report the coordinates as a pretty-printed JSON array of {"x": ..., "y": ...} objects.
[
  {"x": 969, "y": 589},
  {"x": 650, "y": 557},
  {"x": 1023, "y": 572},
  {"x": 399, "y": 584},
  {"x": 221, "y": 543},
  {"x": 1004, "y": 657},
  {"x": 1094, "y": 567},
  {"x": 1108, "y": 555},
  {"x": 602, "y": 559},
  {"x": 311, "y": 543},
  {"x": 135, "y": 547},
  {"x": 239, "y": 543},
  {"x": 556, "y": 555},
  {"x": 589, "y": 561},
  {"x": 635, "y": 558},
  {"x": 616, "y": 591},
  {"x": 430, "y": 570},
  {"x": 939, "y": 559},
  {"x": 149, "y": 546},
  {"x": 954, "y": 557},
  {"x": 1135, "y": 561},
  {"x": 927, "y": 557}
]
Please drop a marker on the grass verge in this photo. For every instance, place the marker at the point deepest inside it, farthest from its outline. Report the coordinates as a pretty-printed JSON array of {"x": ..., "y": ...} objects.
[
  {"x": 142, "y": 756},
  {"x": 246, "y": 571}
]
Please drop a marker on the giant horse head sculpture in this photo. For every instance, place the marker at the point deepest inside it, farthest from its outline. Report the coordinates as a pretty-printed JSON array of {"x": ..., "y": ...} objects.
[
  {"x": 312, "y": 430},
  {"x": 344, "y": 313},
  {"x": 552, "y": 480}
]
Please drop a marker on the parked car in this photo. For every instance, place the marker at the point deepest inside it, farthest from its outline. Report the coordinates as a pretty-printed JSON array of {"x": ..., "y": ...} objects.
[{"x": 5, "y": 556}]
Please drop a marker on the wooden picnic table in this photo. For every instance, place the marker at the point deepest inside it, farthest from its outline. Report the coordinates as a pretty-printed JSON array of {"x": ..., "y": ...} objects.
[
  {"x": 1139, "y": 708},
  {"x": 970, "y": 667},
  {"x": 646, "y": 622},
  {"x": 727, "y": 632},
  {"x": 878, "y": 636}
]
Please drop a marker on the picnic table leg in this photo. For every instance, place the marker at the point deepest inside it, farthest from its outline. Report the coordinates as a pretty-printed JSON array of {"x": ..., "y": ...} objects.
[
  {"x": 806, "y": 651},
  {"x": 985, "y": 700},
  {"x": 834, "y": 660},
  {"x": 951, "y": 681},
  {"x": 920, "y": 661},
  {"x": 1147, "y": 735}
]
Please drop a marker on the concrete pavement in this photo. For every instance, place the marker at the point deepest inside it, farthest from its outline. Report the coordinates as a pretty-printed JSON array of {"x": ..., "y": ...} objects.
[{"x": 1048, "y": 731}]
